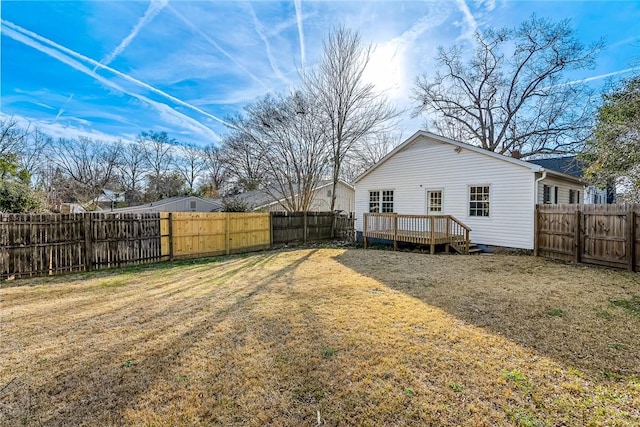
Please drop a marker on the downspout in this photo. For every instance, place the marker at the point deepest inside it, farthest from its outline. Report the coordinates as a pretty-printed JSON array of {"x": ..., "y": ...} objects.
[{"x": 535, "y": 190}]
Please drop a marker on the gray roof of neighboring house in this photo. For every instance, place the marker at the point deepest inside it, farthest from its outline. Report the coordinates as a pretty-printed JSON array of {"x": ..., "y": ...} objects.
[
  {"x": 216, "y": 204},
  {"x": 259, "y": 198},
  {"x": 569, "y": 165}
]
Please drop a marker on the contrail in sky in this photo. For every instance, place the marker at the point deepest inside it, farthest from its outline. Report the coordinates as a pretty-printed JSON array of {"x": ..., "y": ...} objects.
[
  {"x": 260, "y": 30},
  {"x": 167, "y": 112},
  {"x": 154, "y": 8},
  {"x": 217, "y": 46},
  {"x": 590, "y": 79},
  {"x": 303, "y": 55},
  {"x": 105, "y": 67}
]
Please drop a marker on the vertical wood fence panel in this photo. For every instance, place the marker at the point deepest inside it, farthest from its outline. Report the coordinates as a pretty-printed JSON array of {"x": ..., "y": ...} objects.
[
  {"x": 196, "y": 234},
  {"x": 596, "y": 234},
  {"x": 301, "y": 227}
]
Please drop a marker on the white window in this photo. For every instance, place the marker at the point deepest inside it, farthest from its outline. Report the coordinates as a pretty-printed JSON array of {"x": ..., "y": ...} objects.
[
  {"x": 479, "y": 200},
  {"x": 549, "y": 194},
  {"x": 381, "y": 201},
  {"x": 574, "y": 196},
  {"x": 434, "y": 201}
]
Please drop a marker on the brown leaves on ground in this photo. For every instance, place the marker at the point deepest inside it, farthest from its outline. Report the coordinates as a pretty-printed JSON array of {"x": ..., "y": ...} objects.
[{"x": 362, "y": 337}]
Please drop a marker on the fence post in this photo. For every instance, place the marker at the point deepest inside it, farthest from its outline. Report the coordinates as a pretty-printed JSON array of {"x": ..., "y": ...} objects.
[
  {"x": 631, "y": 239},
  {"x": 305, "y": 229},
  {"x": 170, "y": 236},
  {"x": 270, "y": 230},
  {"x": 577, "y": 246},
  {"x": 88, "y": 242},
  {"x": 227, "y": 233},
  {"x": 364, "y": 229}
]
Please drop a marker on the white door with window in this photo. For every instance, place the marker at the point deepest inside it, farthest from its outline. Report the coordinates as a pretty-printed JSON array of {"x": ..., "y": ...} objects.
[{"x": 434, "y": 202}]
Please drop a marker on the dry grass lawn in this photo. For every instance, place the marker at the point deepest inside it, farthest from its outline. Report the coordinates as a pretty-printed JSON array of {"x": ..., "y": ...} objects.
[{"x": 344, "y": 337}]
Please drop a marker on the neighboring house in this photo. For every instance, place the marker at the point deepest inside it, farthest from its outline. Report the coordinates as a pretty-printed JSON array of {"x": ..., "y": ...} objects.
[
  {"x": 494, "y": 195},
  {"x": 570, "y": 165},
  {"x": 176, "y": 204},
  {"x": 108, "y": 199},
  {"x": 261, "y": 200}
]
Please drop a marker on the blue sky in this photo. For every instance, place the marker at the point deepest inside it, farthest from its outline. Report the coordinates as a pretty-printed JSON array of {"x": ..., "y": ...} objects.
[{"x": 111, "y": 69}]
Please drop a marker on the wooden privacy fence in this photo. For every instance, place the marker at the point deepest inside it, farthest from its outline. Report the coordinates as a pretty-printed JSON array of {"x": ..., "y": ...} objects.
[
  {"x": 290, "y": 227},
  {"x": 595, "y": 234},
  {"x": 37, "y": 245},
  {"x": 193, "y": 235}
]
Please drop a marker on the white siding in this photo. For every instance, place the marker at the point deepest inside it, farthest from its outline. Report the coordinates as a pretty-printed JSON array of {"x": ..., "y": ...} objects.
[
  {"x": 426, "y": 164},
  {"x": 563, "y": 189},
  {"x": 345, "y": 200}
]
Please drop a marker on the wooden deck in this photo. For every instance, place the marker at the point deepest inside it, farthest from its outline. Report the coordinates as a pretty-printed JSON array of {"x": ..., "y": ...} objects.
[{"x": 428, "y": 230}]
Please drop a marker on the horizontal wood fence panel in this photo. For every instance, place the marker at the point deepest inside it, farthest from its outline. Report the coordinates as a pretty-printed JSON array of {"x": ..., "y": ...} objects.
[{"x": 605, "y": 235}]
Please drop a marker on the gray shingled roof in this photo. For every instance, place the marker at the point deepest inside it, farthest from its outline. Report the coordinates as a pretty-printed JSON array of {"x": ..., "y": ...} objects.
[{"x": 569, "y": 165}]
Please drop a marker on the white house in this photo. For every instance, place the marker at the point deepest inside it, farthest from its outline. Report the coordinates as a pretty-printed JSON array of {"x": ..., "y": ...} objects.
[{"x": 494, "y": 195}]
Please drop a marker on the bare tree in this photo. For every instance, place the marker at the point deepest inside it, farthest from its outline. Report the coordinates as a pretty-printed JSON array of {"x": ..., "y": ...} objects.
[
  {"x": 350, "y": 109},
  {"x": 189, "y": 162},
  {"x": 369, "y": 152},
  {"x": 215, "y": 170},
  {"x": 244, "y": 159},
  {"x": 285, "y": 131},
  {"x": 85, "y": 168},
  {"x": 12, "y": 136},
  {"x": 131, "y": 170},
  {"x": 32, "y": 155},
  {"x": 158, "y": 150},
  {"x": 512, "y": 94}
]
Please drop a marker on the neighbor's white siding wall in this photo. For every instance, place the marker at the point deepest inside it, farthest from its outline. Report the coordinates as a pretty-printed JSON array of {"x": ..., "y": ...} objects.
[
  {"x": 345, "y": 200},
  {"x": 426, "y": 164},
  {"x": 563, "y": 189}
]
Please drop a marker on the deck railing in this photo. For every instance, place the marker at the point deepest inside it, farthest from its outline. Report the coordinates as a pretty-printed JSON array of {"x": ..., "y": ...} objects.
[{"x": 429, "y": 230}]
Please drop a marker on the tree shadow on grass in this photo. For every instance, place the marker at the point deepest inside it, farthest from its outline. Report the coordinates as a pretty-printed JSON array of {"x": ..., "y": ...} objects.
[
  {"x": 560, "y": 311},
  {"x": 100, "y": 384}
]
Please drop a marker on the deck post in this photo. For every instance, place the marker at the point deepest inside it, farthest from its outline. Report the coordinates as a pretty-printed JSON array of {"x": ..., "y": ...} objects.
[
  {"x": 395, "y": 232},
  {"x": 432, "y": 246},
  {"x": 364, "y": 229},
  {"x": 448, "y": 235},
  {"x": 466, "y": 241},
  {"x": 536, "y": 231}
]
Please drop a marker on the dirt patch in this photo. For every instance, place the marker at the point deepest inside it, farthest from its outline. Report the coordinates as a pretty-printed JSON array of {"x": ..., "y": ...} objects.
[{"x": 353, "y": 337}]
